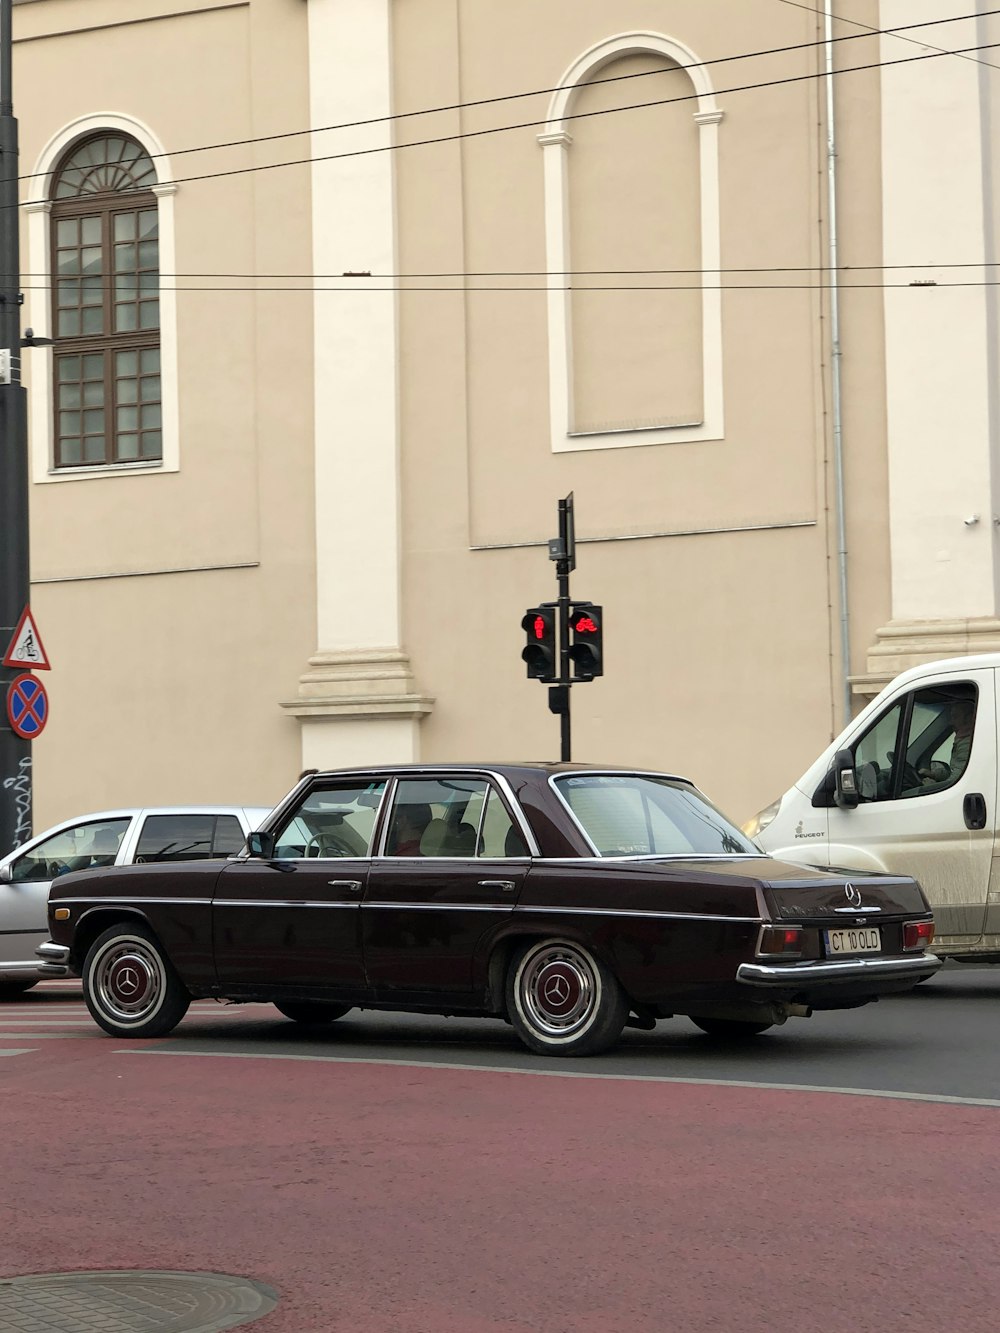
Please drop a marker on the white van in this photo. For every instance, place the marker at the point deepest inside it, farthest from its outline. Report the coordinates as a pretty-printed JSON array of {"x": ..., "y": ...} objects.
[{"x": 910, "y": 786}]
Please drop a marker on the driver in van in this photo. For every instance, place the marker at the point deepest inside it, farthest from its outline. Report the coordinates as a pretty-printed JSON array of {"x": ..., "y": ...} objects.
[{"x": 961, "y": 716}]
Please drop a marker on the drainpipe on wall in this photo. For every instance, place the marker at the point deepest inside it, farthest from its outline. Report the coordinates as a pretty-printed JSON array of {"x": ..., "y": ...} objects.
[{"x": 835, "y": 389}]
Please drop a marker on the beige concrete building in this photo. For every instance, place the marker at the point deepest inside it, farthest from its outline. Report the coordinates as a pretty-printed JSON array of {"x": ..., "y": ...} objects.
[{"x": 530, "y": 247}]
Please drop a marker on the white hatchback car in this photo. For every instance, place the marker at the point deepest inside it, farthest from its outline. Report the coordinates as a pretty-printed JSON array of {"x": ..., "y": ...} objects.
[{"x": 109, "y": 837}]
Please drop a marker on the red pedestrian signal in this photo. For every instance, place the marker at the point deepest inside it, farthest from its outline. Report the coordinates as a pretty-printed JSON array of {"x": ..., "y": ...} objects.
[
  {"x": 539, "y": 651},
  {"x": 586, "y": 641}
]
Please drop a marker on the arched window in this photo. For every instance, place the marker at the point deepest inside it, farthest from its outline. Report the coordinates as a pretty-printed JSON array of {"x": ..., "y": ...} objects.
[
  {"x": 105, "y": 305},
  {"x": 633, "y": 367}
]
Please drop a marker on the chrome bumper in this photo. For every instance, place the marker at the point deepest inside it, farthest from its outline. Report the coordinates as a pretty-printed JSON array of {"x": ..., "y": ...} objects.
[
  {"x": 798, "y": 976},
  {"x": 55, "y": 959}
]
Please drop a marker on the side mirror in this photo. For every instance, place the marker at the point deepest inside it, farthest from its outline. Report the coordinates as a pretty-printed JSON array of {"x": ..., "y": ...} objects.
[
  {"x": 845, "y": 781},
  {"x": 261, "y": 845},
  {"x": 6, "y": 874}
]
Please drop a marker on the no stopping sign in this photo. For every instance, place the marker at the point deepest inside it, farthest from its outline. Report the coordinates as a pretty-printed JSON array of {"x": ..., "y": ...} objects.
[{"x": 27, "y": 706}]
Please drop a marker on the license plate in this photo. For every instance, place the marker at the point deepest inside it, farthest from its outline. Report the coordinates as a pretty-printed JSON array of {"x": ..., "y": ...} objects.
[{"x": 865, "y": 939}]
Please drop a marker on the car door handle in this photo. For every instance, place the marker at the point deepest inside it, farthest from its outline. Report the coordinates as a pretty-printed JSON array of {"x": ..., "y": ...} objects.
[
  {"x": 347, "y": 885},
  {"x": 504, "y": 885},
  {"x": 974, "y": 810}
]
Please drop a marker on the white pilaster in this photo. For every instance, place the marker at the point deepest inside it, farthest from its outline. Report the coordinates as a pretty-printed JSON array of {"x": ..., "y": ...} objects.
[
  {"x": 940, "y": 347},
  {"x": 356, "y": 395}
]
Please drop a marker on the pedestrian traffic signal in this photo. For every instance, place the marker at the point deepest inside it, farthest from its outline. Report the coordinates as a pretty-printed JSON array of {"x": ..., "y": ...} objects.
[
  {"x": 539, "y": 651},
  {"x": 586, "y": 640}
]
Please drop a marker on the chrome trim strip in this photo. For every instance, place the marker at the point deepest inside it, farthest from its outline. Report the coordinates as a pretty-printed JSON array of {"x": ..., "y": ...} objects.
[
  {"x": 283, "y": 902},
  {"x": 852, "y": 911},
  {"x": 134, "y": 903},
  {"x": 618, "y": 911},
  {"x": 498, "y": 906},
  {"x": 796, "y": 975},
  {"x": 658, "y": 856}
]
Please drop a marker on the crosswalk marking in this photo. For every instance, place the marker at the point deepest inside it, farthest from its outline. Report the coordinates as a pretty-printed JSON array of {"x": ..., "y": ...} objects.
[{"x": 42, "y": 1036}]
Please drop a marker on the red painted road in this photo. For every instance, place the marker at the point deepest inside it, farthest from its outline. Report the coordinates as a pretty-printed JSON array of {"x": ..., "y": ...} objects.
[{"x": 393, "y": 1199}]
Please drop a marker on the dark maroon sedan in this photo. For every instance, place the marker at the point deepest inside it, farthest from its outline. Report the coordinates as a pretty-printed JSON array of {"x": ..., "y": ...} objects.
[{"x": 568, "y": 900}]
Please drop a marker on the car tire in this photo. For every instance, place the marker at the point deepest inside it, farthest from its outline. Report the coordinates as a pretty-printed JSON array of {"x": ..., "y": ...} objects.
[
  {"x": 730, "y": 1029},
  {"x": 561, "y": 1000},
  {"x": 10, "y": 990},
  {"x": 129, "y": 984},
  {"x": 311, "y": 1011}
]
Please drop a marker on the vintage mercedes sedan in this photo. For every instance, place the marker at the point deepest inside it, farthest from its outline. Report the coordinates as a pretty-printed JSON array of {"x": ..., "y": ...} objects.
[{"x": 568, "y": 900}]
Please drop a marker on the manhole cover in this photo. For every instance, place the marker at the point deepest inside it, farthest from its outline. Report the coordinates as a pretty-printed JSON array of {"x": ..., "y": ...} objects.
[{"x": 131, "y": 1302}]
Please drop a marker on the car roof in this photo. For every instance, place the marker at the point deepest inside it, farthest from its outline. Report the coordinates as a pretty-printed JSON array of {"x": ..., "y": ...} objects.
[
  {"x": 129, "y": 812},
  {"x": 506, "y": 768}
]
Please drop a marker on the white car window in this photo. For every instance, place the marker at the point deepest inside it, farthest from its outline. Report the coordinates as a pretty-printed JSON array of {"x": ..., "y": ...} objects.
[{"x": 91, "y": 844}]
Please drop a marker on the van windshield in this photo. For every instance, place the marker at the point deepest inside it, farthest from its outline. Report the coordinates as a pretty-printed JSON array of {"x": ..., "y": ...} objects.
[{"x": 632, "y": 814}]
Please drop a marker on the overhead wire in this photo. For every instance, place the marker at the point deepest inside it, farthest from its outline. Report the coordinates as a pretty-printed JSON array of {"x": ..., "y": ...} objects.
[
  {"x": 920, "y": 285},
  {"x": 897, "y": 32},
  {"x": 567, "y": 273},
  {"x": 535, "y": 124},
  {"x": 548, "y": 91}
]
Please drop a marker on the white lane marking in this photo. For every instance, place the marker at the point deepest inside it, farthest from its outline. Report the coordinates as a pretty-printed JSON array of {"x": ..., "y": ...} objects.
[
  {"x": 20, "y": 1050},
  {"x": 28, "y": 1023},
  {"x": 571, "y": 1073},
  {"x": 43, "y": 1036}
]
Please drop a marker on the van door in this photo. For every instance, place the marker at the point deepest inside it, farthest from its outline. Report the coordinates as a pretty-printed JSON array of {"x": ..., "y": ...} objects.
[{"x": 927, "y": 777}]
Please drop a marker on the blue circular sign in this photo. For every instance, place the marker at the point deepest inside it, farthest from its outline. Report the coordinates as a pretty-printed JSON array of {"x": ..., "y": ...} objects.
[{"x": 27, "y": 706}]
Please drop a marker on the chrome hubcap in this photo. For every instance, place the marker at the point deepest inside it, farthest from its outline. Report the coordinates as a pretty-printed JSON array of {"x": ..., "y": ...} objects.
[
  {"x": 128, "y": 980},
  {"x": 559, "y": 990}
]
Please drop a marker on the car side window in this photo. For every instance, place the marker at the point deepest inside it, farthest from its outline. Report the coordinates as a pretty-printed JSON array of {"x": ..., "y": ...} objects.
[
  {"x": 229, "y": 836},
  {"x": 331, "y": 821},
  {"x": 176, "y": 838},
  {"x": 498, "y": 834},
  {"x": 436, "y": 817},
  {"x": 78, "y": 848},
  {"x": 921, "y": 745},
  {"x": 874, "y": 756}
]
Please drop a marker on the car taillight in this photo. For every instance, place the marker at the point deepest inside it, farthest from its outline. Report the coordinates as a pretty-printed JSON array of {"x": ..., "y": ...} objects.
[
  {"x": 917, "y": 934},
  {"x": 785, "y": 941}
]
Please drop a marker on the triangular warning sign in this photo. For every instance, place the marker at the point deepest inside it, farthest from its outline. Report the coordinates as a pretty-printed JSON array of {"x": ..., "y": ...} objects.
[{"x": 25, "y": 648}]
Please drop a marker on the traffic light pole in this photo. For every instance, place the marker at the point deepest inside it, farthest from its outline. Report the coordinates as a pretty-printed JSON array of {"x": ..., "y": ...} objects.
[
  {"x": 15, "y": 752},
  {"x": 560, "y": 694},
  {"x": 565, "y": 640}
]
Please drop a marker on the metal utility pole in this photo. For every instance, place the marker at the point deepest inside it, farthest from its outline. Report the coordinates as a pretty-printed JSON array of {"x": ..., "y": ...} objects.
[{"x": 15, "y": 751}]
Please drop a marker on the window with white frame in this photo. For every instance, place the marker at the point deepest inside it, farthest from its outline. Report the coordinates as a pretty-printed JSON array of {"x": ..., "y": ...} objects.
[{"x": 105, "y": 305}]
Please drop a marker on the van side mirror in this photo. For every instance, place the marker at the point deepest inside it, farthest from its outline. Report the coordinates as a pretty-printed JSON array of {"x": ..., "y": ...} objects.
[
  {"x": 6, "y": 874},
  {"x": 261, "y": 845},
  {"x": 845, "y": 780}
]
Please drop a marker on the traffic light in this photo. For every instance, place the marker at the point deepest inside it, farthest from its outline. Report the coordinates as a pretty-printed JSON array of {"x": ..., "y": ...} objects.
[
  {"x": 586, "y": 641},
  {"x": 539, "y": 651}
]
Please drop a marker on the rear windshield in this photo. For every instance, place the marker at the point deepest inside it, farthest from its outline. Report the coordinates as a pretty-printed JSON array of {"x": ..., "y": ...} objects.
[{"x": 633, "y": 815}]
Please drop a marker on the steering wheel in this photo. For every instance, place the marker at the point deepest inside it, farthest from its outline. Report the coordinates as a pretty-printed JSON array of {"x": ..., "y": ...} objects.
[
  {"x": 911, "y": 778},
  {"x": 328, "y": 844}
]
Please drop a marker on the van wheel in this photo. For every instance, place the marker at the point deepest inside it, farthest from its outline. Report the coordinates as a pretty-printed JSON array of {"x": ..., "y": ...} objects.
[
  {"x": 129, "y": 984},
  {"x": 563, "y": 1001},
  {"x": 309, "y": 1011},
  {"x": 730, "y": 1029}
]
